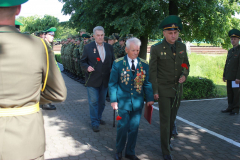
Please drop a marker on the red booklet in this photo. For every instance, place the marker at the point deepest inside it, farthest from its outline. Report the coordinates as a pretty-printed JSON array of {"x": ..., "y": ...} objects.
[{"x": 148, "y": 113}]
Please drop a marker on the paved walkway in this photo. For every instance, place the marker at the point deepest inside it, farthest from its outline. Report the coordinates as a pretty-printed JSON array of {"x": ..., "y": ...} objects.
[{"x": 69, "y": 134}]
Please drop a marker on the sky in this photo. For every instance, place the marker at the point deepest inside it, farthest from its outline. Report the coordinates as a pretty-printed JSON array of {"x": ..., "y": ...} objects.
[{"x": 42, "y": 7}]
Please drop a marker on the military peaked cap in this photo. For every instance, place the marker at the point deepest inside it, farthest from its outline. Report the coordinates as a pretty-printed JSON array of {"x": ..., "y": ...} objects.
[
  {"x": 171, "y": 22},
  {"x": 10, "y": 3},
  {"x": 234, "y": 33}
]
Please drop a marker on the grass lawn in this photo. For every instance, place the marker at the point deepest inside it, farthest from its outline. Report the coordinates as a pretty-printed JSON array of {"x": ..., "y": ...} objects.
[{"x": 211, "y": 67}]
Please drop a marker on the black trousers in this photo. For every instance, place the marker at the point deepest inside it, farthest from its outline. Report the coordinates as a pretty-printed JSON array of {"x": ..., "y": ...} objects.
[{"x": 233, "y": 97}]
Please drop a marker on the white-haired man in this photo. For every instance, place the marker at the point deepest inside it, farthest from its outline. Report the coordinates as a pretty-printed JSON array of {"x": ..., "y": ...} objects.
[
  {"x": 127, "y": 86},
  {"x": 96, "y": 61}
]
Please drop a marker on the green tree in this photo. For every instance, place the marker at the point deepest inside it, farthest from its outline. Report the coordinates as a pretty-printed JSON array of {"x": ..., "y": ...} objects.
[{"x": 207, "y": 20}]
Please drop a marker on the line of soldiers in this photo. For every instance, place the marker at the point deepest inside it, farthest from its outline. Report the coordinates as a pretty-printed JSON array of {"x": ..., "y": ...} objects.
[{"x": 72, "y": 50}]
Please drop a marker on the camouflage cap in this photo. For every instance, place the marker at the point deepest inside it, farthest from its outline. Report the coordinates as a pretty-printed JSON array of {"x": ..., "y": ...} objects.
[
  {"x": 105, "y": 38},
  {"x": 111, "y": 37},
  {"x": 122, "y": 39},
  {"x": 82, "y": 30},
  {"x": 129, "y": 36}
]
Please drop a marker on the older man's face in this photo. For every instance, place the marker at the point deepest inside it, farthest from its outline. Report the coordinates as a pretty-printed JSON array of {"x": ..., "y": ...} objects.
[
  {"x": 171, "y": 35},
  {"x": 132, "y": 51},
  {"x": 99, "y": 36}
]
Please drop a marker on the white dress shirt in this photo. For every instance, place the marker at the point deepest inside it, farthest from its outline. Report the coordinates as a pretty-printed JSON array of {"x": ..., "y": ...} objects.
[{"x": 130, "y": 62}]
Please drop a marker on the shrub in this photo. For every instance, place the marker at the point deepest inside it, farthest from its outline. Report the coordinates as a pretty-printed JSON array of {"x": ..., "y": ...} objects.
[
  {"x": 196, "y": 88},
  {"x": 58, "y": 58}
]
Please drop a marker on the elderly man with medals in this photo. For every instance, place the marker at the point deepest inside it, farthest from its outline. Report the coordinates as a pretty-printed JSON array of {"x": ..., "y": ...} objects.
[{"x": 128, "y": 85}]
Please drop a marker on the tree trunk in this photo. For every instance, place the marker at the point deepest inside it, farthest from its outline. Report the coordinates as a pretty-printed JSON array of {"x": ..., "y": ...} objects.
[
  {"x": 143, "y": 48},
  {"x": 173, "y": 7}
]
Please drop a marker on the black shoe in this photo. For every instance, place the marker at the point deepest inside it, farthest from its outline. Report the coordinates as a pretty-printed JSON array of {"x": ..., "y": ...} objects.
[
  {"x": 226, "y": 110},
  {"x": 118, "y": 156},
  {"x": 102, "y": 122},
  {"x": 233, "y": 113},
  {"x": 132, "y": 157},
  {"x": 167, "y": 157},
  {"x": 95, "y": 129},
  {"x": 171, "y": 148},
  {"x": 48, "y": 107}
]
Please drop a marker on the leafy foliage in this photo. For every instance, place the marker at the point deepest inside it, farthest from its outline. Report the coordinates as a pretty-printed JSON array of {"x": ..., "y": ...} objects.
[
  {"x": 36, "y": 23},
  {"x": 196, "y": 88},
  {"x": 207, "y": 20}
]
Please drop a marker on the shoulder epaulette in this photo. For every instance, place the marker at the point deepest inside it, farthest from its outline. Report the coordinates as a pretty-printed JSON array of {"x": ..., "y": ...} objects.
[
  {"x": 119, "y": 59},
  {"x": 143, "y": 60},
  {"x": 157, "y": 43}
]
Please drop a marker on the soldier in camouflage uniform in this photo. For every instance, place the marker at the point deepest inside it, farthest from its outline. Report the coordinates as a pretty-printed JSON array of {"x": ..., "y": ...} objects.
[
  {"x": 111, "y": 39},
  {"x": 119, "y": 48},
  {"x": 76, "y": 57},
  {"x": 82, "y": 44},
  {"x": 72, "y": 64},
  {"x": 66, "y": 57}
]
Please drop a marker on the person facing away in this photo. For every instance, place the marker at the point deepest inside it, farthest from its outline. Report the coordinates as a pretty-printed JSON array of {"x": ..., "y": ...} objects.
[{"x": 27, "y": 80}]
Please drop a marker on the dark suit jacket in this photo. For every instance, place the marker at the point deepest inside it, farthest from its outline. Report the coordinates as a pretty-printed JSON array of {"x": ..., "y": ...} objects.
[
  {"x": 232, "y": 65},
  {"x": 102, "y": 70}
]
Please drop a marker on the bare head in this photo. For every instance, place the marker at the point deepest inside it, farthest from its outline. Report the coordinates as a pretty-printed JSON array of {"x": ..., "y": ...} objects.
[
  {"x": 98, "y": 34},
  {"x": 133, "y": 47}
]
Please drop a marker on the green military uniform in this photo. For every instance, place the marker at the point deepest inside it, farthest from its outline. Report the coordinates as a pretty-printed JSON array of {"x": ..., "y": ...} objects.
[
  {"x": 119, "y": 51},
  {"x": 165, "y": 71},
  {"x": 81, "y": 47},
  {"x": 231, "y": 73},
  {"x": 129, "y": 89},
  {"x": 76, "y": 56},
  {"x": 22, "y": 135}
]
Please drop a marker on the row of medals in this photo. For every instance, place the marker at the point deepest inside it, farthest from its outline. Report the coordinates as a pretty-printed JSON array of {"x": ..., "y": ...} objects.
[{"x": 138, "y": 81}]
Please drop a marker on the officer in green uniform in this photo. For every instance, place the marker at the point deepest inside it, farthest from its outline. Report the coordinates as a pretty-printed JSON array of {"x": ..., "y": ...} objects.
[
  {"x": 49, "y": 36},
  {"x": 26, "y": 85},
  {"x": 231, "y": 73},
  {"x": 128, "y": 84},
  {"x": 166, "y": 74}
]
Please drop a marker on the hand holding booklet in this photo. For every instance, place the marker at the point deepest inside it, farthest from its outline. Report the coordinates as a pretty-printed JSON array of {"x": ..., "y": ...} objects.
[
  {"x": 148, "y": 113},
  {"x": 234, "y": 85}
]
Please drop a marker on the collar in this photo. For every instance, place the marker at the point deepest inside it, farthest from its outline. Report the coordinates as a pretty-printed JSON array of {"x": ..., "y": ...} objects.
[
  {"x": 170, "y": 45},
  {"x": 130, "y": 60},
  {"x": 98, "y": 44}
]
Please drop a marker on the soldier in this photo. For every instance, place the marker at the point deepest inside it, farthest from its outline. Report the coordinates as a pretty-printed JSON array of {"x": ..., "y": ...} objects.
[
  {"x": 42, "y": 34},
  {"x": 111, "y": 39},
  {"x": 25, "y": 86},
  {"x": 48, "y": 37},
  {"x": 76, "y": 57},
  {"x": 231, "y": 73},
  {"x": 85, "y": 37},
  {"x": 166, "y": 75},
  {"x": 119, "y": 48},
  {"x": 105, "y": 39},
  {"x": 17, "y": 25}
]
